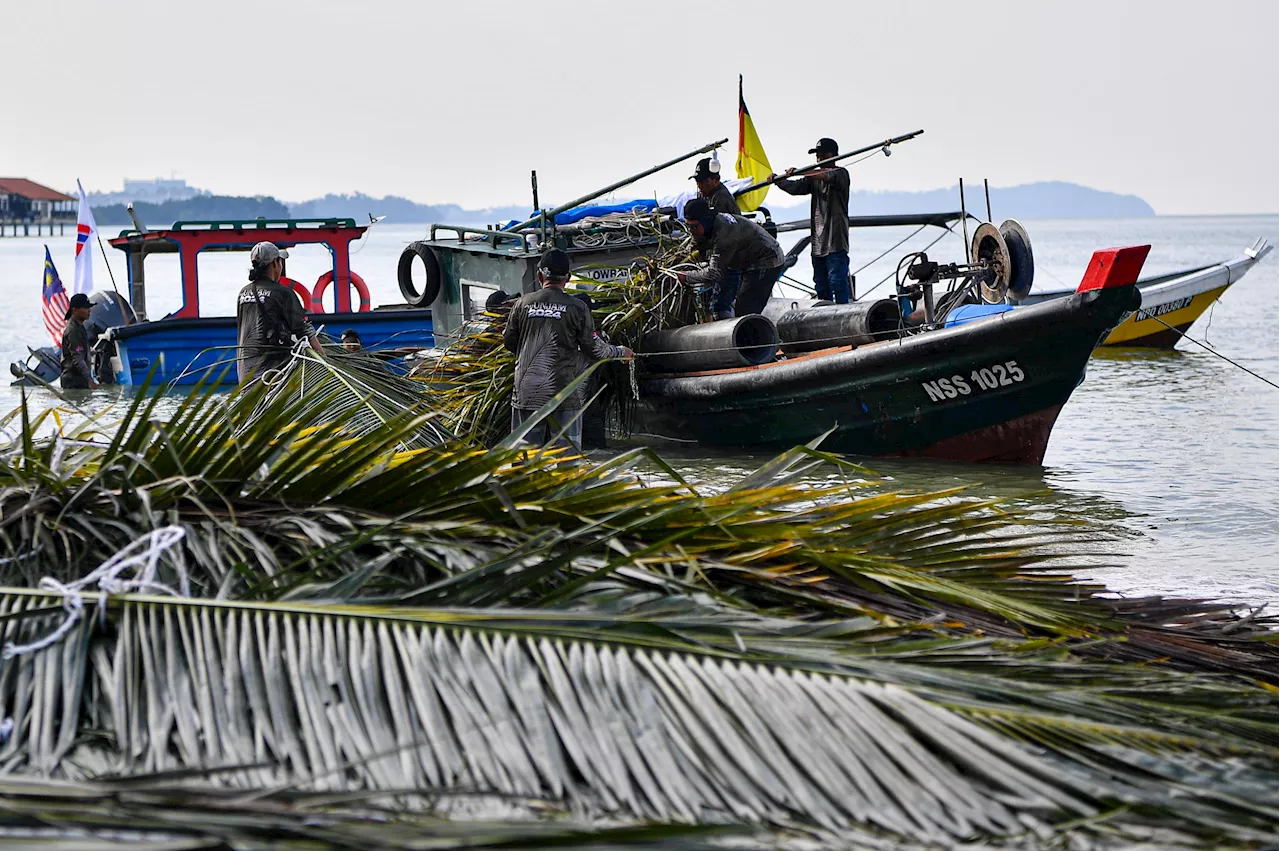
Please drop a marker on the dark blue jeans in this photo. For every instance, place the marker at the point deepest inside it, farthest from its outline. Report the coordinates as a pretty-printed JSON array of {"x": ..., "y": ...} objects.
[
  {"x": 545, "y": 431},
  {"x": 725, "y": 293},
  {"x": 831, "y": 275}
]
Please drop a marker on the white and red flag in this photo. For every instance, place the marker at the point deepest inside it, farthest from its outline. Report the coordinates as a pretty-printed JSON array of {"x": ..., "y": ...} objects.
[{"x": 85, "y": 232}]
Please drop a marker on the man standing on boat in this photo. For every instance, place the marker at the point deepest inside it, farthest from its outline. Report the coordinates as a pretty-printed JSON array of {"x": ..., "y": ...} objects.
[
  {"x": 76, "y": 372},
  {"x": 711, "y": 188},
  {"x": 737, "y": 247},
  {"x": 269, "y": 316},
  {"x": 828, "y": 189},
  {"x": 550, "y": 332}
]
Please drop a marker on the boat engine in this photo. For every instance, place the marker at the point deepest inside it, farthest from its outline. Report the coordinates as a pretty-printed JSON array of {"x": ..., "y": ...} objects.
[{"x": 1000, "y": 270}]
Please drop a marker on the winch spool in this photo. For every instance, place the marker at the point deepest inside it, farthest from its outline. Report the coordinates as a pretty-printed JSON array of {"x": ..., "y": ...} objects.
[{"x": 989, "y": 250}]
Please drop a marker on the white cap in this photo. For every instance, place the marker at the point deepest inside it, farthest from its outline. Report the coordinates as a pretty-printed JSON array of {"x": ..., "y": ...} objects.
[{"x": 265, "y": 252}]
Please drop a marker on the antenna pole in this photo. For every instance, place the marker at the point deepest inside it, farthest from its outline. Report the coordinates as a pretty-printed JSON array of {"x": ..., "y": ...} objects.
[
  {"x": 964, "y": 224},
  {"x": 986, "y": 190}
]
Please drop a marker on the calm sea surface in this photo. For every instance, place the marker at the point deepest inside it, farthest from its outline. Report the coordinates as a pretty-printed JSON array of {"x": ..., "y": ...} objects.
[{"x": 1173, "y": 455}]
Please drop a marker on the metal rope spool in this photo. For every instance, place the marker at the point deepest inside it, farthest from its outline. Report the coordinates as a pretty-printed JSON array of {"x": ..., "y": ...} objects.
[
  {"x": 1021, "y": 264},
  {"x": 991, "y": 251}
]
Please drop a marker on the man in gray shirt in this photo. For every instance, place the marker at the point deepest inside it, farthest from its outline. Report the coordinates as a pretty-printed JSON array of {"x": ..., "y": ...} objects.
[
  {"x": 828, "y": 189},
  {"x": 735, "y": 245},
  {"x": 707, "y": 177},
  {"x": 269, "y": 316}
]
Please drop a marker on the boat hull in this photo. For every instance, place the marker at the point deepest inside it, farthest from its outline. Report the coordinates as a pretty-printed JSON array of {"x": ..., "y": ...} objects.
[
  {"x": 986, "y": 391},
  {"x": 1172, "y": 303},
  {"x": 184, "y": 351}
]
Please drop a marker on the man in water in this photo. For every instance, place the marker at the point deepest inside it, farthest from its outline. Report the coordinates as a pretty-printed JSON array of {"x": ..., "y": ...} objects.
[
  {"x": 550, "y": 331},
  {"x": 76, "y": 372},
  {"x": 736, "y": 246},
  {"x": 828, "y": 189},
  {"x": 710, "y": 187},
  {"x": 269, "y": 316}
]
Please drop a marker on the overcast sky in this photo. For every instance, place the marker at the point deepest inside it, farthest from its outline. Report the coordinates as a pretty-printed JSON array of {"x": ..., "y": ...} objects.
[{"x": 1175, "y": 101}]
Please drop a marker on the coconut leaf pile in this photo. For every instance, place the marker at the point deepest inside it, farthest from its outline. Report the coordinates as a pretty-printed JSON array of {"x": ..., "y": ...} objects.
[
  {"x": 389, "y": 628},
  {"x": 474, "y": 375}
]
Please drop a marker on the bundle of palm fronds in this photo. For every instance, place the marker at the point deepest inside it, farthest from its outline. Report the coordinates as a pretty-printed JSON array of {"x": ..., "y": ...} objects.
[
  {"x": 473, "y": 376},
  {"x": 444, "y": 620}
]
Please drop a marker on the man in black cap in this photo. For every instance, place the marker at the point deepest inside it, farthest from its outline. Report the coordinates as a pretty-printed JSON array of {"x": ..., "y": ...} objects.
[
  {"x": 707, "y": 176},
  {"x": 269, "y": 316},
  {"x": 76, "y": 372},
  {"x": 736, "y": 246},
  {"x": 828, "y": 189},
  {"x": 550, "y": 331}
]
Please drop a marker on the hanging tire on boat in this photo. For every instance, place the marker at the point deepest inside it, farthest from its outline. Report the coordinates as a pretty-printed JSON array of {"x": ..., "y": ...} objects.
[
  {"x": 404, "y": 275},
  {"x": 322, "y": 284},
  {"x": 299, "y": 288}
]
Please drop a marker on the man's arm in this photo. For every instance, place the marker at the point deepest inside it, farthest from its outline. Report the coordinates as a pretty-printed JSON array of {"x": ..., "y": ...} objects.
[
  {"x": 794, "y": 187},
  {"x": 592, "y": 346},
  {"x": 511, "y": 333},
  {"x": 709, "y": 274},
  {"x": 299, "y": 325}
]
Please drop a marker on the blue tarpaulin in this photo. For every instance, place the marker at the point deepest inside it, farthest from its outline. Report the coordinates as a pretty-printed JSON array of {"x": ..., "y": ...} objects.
[{"x": 578, "y": 213}]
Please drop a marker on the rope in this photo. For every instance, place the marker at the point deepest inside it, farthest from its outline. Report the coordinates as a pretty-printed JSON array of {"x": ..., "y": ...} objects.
[
  {"x": 950, "y": 230},
  {"x": 145, "y": 552},
  {"x": 1208, "y": 348}
]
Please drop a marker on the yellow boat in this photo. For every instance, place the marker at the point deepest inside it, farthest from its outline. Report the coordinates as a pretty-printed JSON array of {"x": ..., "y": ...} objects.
[{"x": 1172, "y": 303}]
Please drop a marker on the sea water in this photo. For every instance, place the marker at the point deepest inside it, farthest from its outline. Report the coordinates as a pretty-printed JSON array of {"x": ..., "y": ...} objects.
[{"x": 1171, "y": 456}]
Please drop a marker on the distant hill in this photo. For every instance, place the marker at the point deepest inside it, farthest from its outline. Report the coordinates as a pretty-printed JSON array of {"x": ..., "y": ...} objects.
[
  {"x": 401, "y": 210},
  {"x": 199, "y": 207},
  {"x": 1050, "y": 200},
  {"x": 1056, "y": 200}
]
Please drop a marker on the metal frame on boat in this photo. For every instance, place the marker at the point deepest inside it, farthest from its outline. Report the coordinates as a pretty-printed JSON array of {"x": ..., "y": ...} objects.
[{"x": 185, "y": 346}]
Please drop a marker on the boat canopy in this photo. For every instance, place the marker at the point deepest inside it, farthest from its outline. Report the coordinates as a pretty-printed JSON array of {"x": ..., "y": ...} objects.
[{"x": 189, "y": 238}]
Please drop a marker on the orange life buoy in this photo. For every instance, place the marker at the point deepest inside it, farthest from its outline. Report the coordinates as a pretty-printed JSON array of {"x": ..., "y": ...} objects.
[
  {"x": 299, "y": 288},
  {"x": 322, "y": 284}
]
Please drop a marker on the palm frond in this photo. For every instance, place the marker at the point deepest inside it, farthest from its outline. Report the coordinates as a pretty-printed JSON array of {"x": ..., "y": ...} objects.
[{"x": 660, "y": 719}]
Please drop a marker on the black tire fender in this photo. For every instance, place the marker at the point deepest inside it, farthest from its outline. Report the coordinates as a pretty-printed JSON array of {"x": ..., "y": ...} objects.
[{"x": 404, "y": 275}]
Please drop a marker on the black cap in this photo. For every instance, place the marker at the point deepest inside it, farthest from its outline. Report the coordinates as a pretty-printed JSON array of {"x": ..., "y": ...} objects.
[
  {"x": 555, "y": 263},
  {"x": 350, "y": 334},
  {"x": 703, "y": 170},
  {"x": 77, "y": 300},
  {"x": 825, "y": 146},
  {"x": 697, "y": 209}
]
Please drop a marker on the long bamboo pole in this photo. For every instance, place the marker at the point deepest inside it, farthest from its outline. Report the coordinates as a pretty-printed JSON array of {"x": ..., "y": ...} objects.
[
  {"x": 591, "y": 196},
  {"x": 830, "y": 160}
]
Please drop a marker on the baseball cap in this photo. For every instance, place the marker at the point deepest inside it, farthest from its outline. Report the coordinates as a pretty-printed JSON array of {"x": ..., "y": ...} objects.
[
  {"x": 265, "y": 252},
  {"x": 825, "y": 146},
  {"x": 555, "y": 263},
  {"x": 705, "y": 169},
  {"x": 77, "y": 300},
  {"x": 697, "y": 209}
]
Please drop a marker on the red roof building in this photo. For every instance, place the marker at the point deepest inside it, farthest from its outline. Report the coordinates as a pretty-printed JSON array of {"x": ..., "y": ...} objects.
[{"x": 26, "y": 200}]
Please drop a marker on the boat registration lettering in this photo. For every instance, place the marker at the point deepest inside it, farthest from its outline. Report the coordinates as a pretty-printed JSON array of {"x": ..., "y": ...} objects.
[
  {"x": 1167, "y": 307},
  {"x": 986, "y": 378}
]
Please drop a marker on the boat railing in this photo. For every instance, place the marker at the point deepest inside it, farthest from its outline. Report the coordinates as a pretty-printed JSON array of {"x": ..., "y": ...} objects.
[{"x": 496, "y": 237}]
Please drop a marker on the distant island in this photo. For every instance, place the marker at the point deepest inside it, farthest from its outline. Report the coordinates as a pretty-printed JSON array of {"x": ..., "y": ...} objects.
[{"x": 1048, "y": 200}]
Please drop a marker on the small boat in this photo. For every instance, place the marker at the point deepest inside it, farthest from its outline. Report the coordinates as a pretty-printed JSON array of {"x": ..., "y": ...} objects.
[
  {"x": 1172, "y": 303},
  {"x": 186, "y": 346},
  {"x": 989, "y": 389}
]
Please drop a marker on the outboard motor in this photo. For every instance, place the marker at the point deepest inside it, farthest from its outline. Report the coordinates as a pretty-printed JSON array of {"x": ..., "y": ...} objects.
[{"x": 106, "y": 310}]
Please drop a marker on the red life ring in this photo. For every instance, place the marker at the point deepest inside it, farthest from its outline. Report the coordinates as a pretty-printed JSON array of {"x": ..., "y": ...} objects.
[
  {"x": 299, "y": 288},
  {"x": 322, "y": 284}
]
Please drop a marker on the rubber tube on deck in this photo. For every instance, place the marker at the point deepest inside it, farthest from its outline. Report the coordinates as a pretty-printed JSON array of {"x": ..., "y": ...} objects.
[
  {"x": 810, "y": 329},
  {"x": 725, "y": 344}
]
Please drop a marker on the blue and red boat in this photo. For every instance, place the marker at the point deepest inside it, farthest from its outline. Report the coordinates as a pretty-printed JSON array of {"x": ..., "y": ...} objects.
[{"x": 186, "y": 345}]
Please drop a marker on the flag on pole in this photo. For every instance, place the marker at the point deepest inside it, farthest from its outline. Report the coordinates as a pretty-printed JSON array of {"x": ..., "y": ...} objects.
[
  {"x": 752, "y": 161},
  {"x": 55, "y": 300},
  {"x": 85, "y": 231}
]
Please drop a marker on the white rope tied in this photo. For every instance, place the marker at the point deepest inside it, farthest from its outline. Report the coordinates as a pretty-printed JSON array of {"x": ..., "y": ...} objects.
[{"x": 142, "y": 555}]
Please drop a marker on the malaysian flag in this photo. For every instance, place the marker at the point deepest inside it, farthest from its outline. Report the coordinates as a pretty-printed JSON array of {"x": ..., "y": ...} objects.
[{"x": 55, "y": 300}]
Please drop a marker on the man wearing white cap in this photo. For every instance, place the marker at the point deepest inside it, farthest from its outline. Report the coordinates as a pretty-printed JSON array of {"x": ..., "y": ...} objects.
[{"x": 269, "y": 316}]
